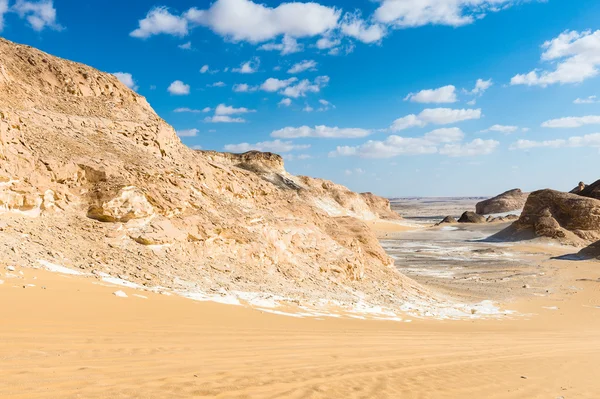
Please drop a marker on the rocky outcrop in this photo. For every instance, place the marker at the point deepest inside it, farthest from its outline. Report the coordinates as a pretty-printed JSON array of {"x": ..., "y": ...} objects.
[
  {"x": 591, "y": 252},
  {"x": 569, "y": 218},
  {"x": 447, "y": 220},
  {"x": 380, "y": 206},
  {"x": 92, "y": 179},
  {"x": 506, "y": 202},
  {"x": 579, "y": 188},
  {"x": 591, "y": 191},
  {"x": 471, "y": 217}
]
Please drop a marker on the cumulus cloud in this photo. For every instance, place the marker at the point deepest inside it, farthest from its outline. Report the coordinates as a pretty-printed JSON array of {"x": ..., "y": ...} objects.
[
  {"x": 288, "y": 45},
  {"x": 305, "y": 86},
  {"x": 354, "y": 26},
  {"x": 589, "y": 140},
  {"x": 243, "y": 88},
  {"x": 206, "y": 69},
  {"x": 325, "y": 105},
  {"x": 303, "y": 66},
  {"x": 299, "y": 157},
  {"x": 223, "y": 109},
  {"x": 216, "y": 84},
  {"x": 223, "y": 119},
  {"x": 475, "y": 147},
  {"x": 248, "y": 66},
  {"x": 436, "y": 116},
  {"x": 192, "y": 111},
  {"x": 244, "y": 20},
  {"x": 326, "y": 43},
  {"x": 481, "y": 86},
  {"x": 320, "y": 132},
  {"x": 178, "y": 88},
  {"x": 397, "y": 145},
  {"x": 273, "y": 84},
  {"x": 308, "y": 108},
  {"x": 414, "y": 13},
  {"x": 188, "y": 133},
  {"x": 3, "y": 10},
  {"x": 587, "y": 100},
  {"x": 40, "y": 14},
  {"x": 576, "y": 56},
  {"x": 159, "y": 20},
  {"x": 277, "y": 146},
  {"x": 186, "y": 46},
  {"x": 501, "y": 129},
  {"x": 126, "y": 79},
  {"x": 355, "y": 171},
  {"x": 286, "y": 102},
  {"x": 573, "y": 121},
  {"x": 446, "y": 94}
]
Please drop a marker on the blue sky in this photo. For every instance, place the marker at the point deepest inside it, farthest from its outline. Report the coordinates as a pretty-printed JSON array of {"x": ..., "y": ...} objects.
[{"x": 398, "y": 97}]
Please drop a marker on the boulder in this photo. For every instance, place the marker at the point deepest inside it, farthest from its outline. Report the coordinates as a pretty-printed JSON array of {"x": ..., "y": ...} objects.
[
  {"x": 471, "y": 217},
  {"x": 569, "y": 218},
  {"x": 447, "y": 220},
  {"x": 509, "y": 201},
  {"x": 591, "y": 191},
  {"x": 579, "y": 188}
]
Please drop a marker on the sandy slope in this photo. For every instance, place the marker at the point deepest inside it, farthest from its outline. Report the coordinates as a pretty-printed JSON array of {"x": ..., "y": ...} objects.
[{"x": 74, "y": 339}]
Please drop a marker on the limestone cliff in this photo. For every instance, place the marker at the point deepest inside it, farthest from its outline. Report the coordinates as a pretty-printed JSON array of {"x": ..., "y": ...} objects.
[{"x": 92, "y": 178}]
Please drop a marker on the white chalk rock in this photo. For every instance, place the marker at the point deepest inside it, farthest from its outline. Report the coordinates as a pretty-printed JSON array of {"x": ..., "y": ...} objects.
[{"x": 120, "y": 294}]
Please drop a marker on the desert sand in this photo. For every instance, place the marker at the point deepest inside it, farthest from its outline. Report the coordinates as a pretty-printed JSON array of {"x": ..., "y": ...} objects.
[{"x": 70, "y": 337}]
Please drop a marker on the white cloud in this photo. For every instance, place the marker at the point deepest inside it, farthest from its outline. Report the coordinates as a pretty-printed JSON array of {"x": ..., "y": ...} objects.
[
  {"x": 217, "y": 84},
  {"x": 305, "y": 86},
  {"x": 288, "y": 45},
  {"x": 160, "y": 21},
  {"x": 475, "y": 147},
  {"x": 481, "y": 86},
  {"x": 185, "y": 46},
  {"x": 472, "y": 102},
  {"x": 286, "y": 102},
  {"x": 325, "y": 105},
  {"x": 126, "y": 79},
  {"x": 273, "y": 84},
  {"x": 326, "y": 43},
  {"x": 3, "y": 10},
  {"x": 446, "y": 94},
  {"x": 576, "y": 56},
  {"x": 248, "y": 66},
  {"x": 192, "y": 111},
  {"x": 436, "y": 116},
  {"x": 303, "y": 66},
  {"x": 293, "y": 157},
  {"x": 188, "y": 133},
  {"x": 501, "y": 129},
  {"x": 243, "y": 88},
  {"x": 270, "y": 146},
  {"x": 206, "y": 69},
  {"x": 308, "y": 108},
  {"x": 589, "y": 140},
  {"x": 223, "y": 109},
  {"x": 414, "y": 13},
  {"x": 572, "y": 121},
  {"x": 356, "y": 171},
  {"x": 40, "y": 14},
  {"x": 244, "y": 20},
  {"x": 445, "y": 141},
  {"x": 354, "y": 26},
  {"x": 587, "y": 100},
  {"x": 223, "y": 119},
  {"x": 178, "y": 88},
  {"x": 319, "y": 132}
]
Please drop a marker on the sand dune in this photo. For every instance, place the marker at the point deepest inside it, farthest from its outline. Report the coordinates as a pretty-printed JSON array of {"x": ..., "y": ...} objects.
[{"x": 74, "y": 339}]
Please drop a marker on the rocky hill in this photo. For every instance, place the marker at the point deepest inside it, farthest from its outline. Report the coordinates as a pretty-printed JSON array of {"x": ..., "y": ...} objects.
[
  {"x": 511, "y": 200},
  {"x": 569, "y": 218},
  {"x": 92, "y": 179}
]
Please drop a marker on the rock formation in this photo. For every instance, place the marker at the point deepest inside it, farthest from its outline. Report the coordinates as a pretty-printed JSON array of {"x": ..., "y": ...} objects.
[
  {"x": 591, "y": 191},
  {"x": 579, "y": 188},
  {"x": 91, "y": 178},
  {"x": 506, "y": 202},
  {"x": 471, "y": 217},
  {"x": 447, "y": 220},
  {"x": 591, "y": 252},
  {"x": 572, "y": 219}
]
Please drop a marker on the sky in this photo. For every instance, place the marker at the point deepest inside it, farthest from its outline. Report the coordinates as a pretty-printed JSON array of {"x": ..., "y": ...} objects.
[{"x": 396, "y": 97}]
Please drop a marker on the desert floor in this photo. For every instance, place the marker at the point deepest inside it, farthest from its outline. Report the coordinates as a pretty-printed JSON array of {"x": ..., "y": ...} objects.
[{"x": 68, "y": 337}]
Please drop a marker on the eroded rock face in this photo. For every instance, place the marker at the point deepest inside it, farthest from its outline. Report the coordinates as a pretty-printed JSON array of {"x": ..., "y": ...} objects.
[
  {"x": 569, "y": 218},
  {"x": 94, "y": 179},
  {"x": 506, "y": 202},
  {"x": 591, "y": 191},
  {"x": 471, "y": 217}
]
